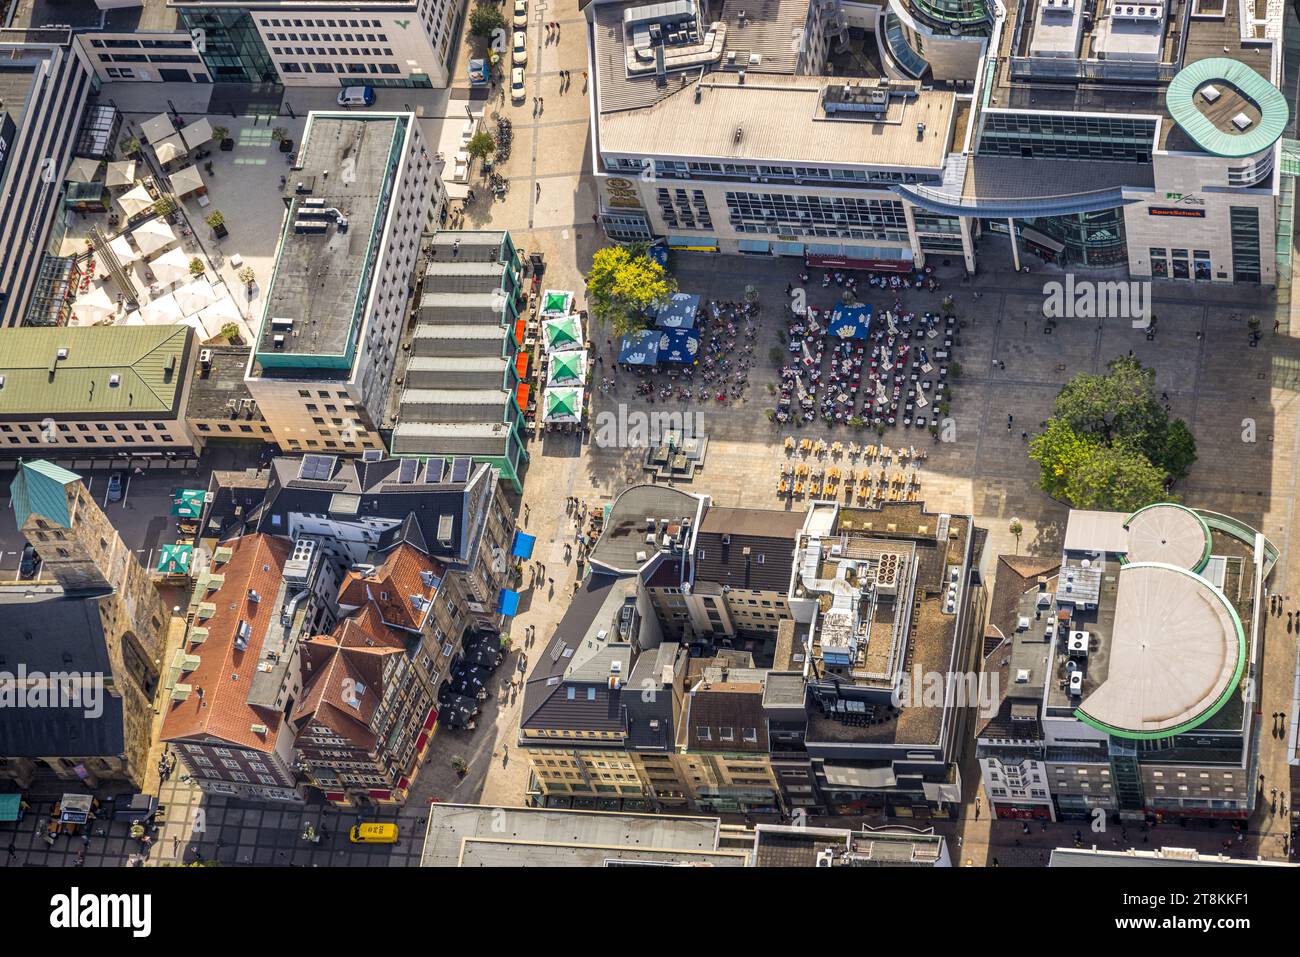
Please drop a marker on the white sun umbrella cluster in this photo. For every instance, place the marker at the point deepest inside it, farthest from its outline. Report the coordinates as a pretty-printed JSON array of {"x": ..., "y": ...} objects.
[
  {"x": 92, "y": 306},
  {"x": 197, "y": 133},
  {"x": 161, "y": 312},
  {"x": 158, "y": 127},
  {"x": 153, "y": 236},
  {"x": 193, "y": 297},
  {"x": 136, "y": 201},
  {"x": 218, "y": 314},
  {"x": 186, "y": 181},
  {"x": 120, "y": 173},
  {"x": 123, "y": 251},
  {"x": 82, "y": 170},
  {"x": 169, "y": 148},
  {"x": 171, "y": 267}
]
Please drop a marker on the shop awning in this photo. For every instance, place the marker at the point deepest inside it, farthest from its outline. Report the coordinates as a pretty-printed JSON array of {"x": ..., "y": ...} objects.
[
  {"x": 521, "y": 364},
  {"x": 872, "y": 265},
  {"x": 521, "y": 328},
  {"x": 523, "y": 546},
  {"x": 508, "y": 603},
  {"x": 522, "y": 392}
]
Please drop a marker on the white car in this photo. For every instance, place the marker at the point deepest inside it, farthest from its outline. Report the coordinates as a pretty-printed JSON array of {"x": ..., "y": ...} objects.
[
  {"x": 521, "y": 13},
  {"x": 517, "y": 84},
  {"x": 519, "y": 55}
]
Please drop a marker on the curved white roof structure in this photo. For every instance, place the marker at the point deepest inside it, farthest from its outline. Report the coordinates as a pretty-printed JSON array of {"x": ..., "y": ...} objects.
[
  {"x": 1168, "y": 533},
  {"x": 1176, "y": 657}
]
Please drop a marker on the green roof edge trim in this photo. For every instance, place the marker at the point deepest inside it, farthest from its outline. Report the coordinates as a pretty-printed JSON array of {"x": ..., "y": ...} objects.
[
  {"x": 1214, "y": 708},
  {"x": 1205, "y": 554},
  {"x": 1180, "y": 98}
]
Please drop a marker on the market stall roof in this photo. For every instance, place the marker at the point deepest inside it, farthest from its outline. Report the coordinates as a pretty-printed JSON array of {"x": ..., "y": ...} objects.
[
  {"x": 556, "y": 302},
  {"x": 171, "y": 267},
  {"x": 153, "y": 236},
  {"x": 169, "y": 148},
  {"x": 850, "y": 322},
  {"x": 679, "y": 345},
  {"x": 562, "y": 405},
  {"x": 175, "y": 559},
  {"x": 136, "y": 201},
  {"x": 186, "y": 181},
  {"x": 158, "y": 127},
  {"x": 567, "y": 368},
  {"x": 563, "y": 333},
  {"x": 82, "y": 170},
  {"x": 197, "y": 133},
  {"x": 640, "y": 348},
  {"x": 678, "y": 312},
  {"x": 523, "y": 545},
  {"x": 120, "y": 173}
]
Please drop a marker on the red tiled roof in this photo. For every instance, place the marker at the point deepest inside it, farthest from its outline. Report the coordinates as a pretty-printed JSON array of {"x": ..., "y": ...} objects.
[
  {"x": 225, "y": 674},
  {"x": 400, "y": 577}
]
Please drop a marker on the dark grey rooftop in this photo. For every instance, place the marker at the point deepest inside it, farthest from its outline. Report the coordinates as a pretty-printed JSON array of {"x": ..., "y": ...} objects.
[
  {"x": 52, "y": 632},
  {"x": 347, "y": 162},
  {"x": 627, "y": 525},
  {"x": 15, "y": 86},
  {"x": 214, "y": 388},
  {"x": 150, "y": 15}
]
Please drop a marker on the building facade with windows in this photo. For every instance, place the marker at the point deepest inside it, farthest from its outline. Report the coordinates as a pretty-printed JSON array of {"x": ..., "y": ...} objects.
[
  {"x": 1138, "y": 135},
  {"x": 1085, "y": 649},
  {"x": 45, "y": 81},
  {"x": 96, "y": 390},
  {"x": 356, "y": 205},
  {"x": 385, "y": 44}
]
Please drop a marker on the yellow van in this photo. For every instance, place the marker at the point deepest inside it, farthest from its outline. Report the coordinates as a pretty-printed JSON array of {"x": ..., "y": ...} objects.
[{"x": 373, "y": 834}]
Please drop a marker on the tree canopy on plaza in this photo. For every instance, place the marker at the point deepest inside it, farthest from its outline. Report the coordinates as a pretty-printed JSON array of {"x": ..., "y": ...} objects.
[
  {"x": 485, "y": 20},
  {"x": 481, "y": 145},
  {"x": 1110, "y": 444},
  {"x": 623, "y": 285}
]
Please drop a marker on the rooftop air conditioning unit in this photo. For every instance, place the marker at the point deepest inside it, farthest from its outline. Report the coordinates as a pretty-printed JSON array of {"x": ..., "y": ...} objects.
[
  {"x": 114, "y": 380},
  {"x": 62, "y": 353},
  {"x": 1076, "y": 683},
  {"x": 205, "y": 357}
]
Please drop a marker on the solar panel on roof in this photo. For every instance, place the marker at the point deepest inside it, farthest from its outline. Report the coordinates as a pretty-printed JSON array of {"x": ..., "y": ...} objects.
[
  {"x": 460, "y": 470},
  {"x": 408, "y": 470},
  {"x": 433, "y": 471},
  {"x": 316, "y": 468}
]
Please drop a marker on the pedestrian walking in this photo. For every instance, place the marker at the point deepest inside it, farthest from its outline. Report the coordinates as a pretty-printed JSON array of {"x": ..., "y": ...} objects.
[
  {"x": 13, "y": 852},
  {"x": 539, "y": 190},
  {"x": 551, "y": 582}
]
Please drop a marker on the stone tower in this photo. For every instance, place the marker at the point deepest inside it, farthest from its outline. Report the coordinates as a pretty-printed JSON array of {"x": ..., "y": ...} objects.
[{"x": 83, "y": 552}]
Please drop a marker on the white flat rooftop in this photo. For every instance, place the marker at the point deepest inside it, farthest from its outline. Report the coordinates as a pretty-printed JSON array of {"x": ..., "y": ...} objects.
[{"x": 1176, "y": 649}]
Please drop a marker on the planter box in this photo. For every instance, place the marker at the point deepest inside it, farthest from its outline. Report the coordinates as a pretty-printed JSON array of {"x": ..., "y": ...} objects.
[
  {"x": 286, "y": 146},
  {"x": 220, "y": 231},
  {"x": 227, "y": 144}
]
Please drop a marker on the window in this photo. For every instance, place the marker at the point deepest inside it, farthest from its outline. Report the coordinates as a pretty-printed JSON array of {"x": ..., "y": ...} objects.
[{"x": 702, "y": 733}]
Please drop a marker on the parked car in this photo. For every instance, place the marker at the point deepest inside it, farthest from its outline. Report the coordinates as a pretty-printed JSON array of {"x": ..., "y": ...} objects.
[
  {"x": 115, "y": 484},
  {"x": 519, "y": 54},
  {"x": 356, "y": 96},
  {"x": 29, "y": 562},
  {"x": 517, "y": 84},
  {"x": 521, "y": 13}
]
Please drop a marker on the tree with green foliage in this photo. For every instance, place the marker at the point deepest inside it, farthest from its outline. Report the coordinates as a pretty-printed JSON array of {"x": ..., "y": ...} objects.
[
  {"x": 1110, "y": 444},
  {"x": 1115, "y": 478},
  {"x": 485, "y": 20},
  {"x": 481, "y": 145},
  {"x": 215, "y": 219},
  {"x": 623, "y": 284}
]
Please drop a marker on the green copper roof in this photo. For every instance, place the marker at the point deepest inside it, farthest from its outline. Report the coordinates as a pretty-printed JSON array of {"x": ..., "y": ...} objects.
[
  {"x": 40, "y": 488},
  {"x": 1181, "y": 99},
  {"x": 149, "y": 362}
]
